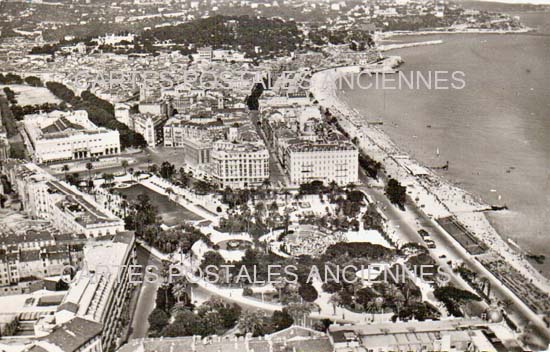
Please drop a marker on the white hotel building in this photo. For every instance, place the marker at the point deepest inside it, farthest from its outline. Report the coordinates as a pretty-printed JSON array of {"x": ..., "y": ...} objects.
[
  {"x": 239, "y": 165},
  {"x": 60, "y": 136},
  {"x": 307, "y": 162}
]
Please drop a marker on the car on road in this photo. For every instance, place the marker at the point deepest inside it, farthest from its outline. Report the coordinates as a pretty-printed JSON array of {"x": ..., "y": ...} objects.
[{"x": 423, "y": 233}]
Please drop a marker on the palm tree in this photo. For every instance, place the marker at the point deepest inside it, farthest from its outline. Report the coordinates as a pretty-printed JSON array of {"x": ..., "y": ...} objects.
[
  {"x": 333, "y": 186},
  {"x": 108, "y": 178},
  {"x": 335, "y": 301},
  {"x": 89, "y": 167},
  {"x": 124, "y": 204},
  {"x": 169, "y": 191},
  {"x": 266, "y": 184},
  {"x": 249, "y": 322},
  {"x": 260, "y": 210},
  {"x": 179, "y": 289},
  {"x": 65, "y": 169},
  {"x": 279, "y": 286},
  {"x": 124, "y": 164},
  {"x": 286, "y": 193},
  {"x": 245, "y": 213},
  {"x": 299, "y": 311}
]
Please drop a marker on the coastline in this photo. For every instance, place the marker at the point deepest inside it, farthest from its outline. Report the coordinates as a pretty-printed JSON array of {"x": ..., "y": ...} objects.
[
  {"x": 391, "y": 34},
  {"x": 387, "y": 47},
  {"x": 431, "y": 193}
]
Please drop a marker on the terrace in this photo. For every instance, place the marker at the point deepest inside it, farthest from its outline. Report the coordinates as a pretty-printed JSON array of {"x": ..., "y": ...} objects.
[{"x": 84, "y": 211}]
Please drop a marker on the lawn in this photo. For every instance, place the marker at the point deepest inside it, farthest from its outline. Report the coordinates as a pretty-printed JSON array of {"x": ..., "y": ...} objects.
[{"x": 27, "y": 95}]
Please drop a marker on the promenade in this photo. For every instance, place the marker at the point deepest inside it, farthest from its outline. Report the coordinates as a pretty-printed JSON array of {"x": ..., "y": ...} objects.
[{"x": 434, "y": 197}]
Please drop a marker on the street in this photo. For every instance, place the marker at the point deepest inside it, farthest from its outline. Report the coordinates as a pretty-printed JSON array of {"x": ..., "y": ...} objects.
[
  {"x": 147, "y": 296},
  {"x": 408, "y": 222}
]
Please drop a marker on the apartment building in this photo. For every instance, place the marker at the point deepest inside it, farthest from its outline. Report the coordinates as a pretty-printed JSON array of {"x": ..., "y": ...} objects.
[
  {"x": 148, "y": 125},
  {"x": 34, "y": 254},
  {"x": 456, "y": 335},
  {"x": 17, "y": 265},
  {"x": 194, "y": 137},
  {"x": 179, "y": 129},
  {"x": 61, "y": 136},
  {"x": 239, "y": 165},
  {"x": 309, "y": 148},
  {"x": 87, "y": 316},
  {"x": 100, "y": 292},
  {"x": 294, "y": 338},
  {"x": 67, "y": 208}
]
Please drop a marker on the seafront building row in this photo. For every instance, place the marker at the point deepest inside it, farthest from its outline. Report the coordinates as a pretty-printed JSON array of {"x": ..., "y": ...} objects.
[{"x": 308, "y": 148}]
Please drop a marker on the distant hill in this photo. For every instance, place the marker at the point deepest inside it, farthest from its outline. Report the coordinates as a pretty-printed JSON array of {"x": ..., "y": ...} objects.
[
  {"x": 232, "y": 32},
  {"x": 506, "y": 5}
]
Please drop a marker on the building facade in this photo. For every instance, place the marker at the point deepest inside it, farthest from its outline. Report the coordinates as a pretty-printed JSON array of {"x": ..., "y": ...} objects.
[
  {"x": 100, "y": 291},
  {"x": 239, "y": 165},
  {"x": 61, "y": 136},
  {"x": 307, "y": 162},
  {"x": 67, "y": 208},
  {"x": 148, "y": 125}
]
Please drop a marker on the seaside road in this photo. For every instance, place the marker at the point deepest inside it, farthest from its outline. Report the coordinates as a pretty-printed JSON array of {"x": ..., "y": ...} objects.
[
  {"x": 409, "y": 221},
  {"x": 407, "y": 230}
]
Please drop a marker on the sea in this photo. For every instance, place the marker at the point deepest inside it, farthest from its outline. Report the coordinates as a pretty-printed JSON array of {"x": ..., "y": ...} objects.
[{"x": 495, "y": 132}]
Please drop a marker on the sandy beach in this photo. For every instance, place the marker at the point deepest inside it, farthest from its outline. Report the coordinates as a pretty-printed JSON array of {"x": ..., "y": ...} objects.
[{"x": 434, "y": 195}]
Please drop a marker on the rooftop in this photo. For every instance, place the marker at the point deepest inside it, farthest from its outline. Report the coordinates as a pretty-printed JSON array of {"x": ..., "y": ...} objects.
[
  {"x": 93, "y": 285},
  {"x": 305, "y": 147},
  {"x": 69, "y": 336},
  {"x": 291, "y": 339},
  {"x": 84, "y": 210}
]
